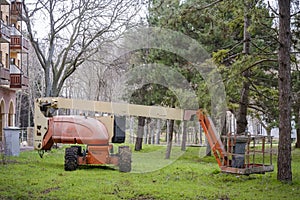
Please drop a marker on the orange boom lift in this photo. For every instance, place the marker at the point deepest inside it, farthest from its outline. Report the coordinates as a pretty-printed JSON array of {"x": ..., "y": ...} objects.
[{"x": 234, "y": 154}]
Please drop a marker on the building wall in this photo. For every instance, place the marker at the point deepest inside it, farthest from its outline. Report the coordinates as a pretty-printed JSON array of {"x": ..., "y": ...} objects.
[
  {"x": 5, "y": 13},
  {"x": 4, "y": 47},
  {"x": 7, "y": 94},
  {"x": 7, "y": 109}
]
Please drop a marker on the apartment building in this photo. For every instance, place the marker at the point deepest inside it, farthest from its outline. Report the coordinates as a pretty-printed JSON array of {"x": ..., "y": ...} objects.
[{"x": 13, "y": 60}]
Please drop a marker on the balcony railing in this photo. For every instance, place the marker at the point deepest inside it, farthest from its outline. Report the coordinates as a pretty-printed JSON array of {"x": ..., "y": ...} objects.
[
  {"x": 18, "y": 42},
  {"x": 18, "y": 81},
  {"x": 16, "y": 9},
  {"x": 4, "y": 33},
  {"x": 13, "y": 80}
]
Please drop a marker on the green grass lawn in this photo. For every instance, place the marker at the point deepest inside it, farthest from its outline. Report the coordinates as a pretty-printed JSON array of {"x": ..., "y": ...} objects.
[{"x": 188, "y": 175}]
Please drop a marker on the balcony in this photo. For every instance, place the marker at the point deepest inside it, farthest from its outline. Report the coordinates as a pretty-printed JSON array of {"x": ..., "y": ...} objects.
[
  {"x": 17, "y": 10},
  {"x": 4, "y": 76},
  {"x": 17, "y": 78},
  {"x": 18, "y": 43},
  {"x": 4, "y": 33},
  {"x": 18, "y": 81}
]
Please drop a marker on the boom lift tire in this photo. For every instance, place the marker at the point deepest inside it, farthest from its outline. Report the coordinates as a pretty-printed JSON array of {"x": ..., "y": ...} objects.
[
  {"x": 71, "y": 156},
  {"x": 124, "y": 159}
]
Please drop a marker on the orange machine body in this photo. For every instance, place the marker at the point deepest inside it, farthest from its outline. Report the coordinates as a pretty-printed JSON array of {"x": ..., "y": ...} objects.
[
  {"x": 81, "y": 130},
  {"x": 75, "y": 130}
]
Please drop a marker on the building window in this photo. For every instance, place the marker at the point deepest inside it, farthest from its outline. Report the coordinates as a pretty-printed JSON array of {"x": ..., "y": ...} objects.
[
  {"x": 12, "y": 61},
  {"x": 6, "y": 60},
  {"x": 11, "y": 115}
]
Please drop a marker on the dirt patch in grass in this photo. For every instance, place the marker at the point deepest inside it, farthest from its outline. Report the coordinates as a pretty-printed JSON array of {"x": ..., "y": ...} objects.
[
  {"x": 49, "y": 190},
  {"x": 6, "y": 161},
  {"x": 143, "y": 197}
]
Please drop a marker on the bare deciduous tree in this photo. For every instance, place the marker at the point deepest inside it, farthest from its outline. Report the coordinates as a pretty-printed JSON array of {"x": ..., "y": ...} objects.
[{"x": 76, "y": 30}]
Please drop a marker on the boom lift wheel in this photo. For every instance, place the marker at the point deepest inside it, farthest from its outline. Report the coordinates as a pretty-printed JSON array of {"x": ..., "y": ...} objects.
[
  {"x": 124, "y": 159},
  {"x": 71, "y": 156}
]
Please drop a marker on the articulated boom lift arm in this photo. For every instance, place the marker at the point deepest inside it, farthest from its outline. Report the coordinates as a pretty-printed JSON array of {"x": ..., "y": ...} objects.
[
  {"x": 44, "y": 108},
  {"x": 213, "y": 138}
]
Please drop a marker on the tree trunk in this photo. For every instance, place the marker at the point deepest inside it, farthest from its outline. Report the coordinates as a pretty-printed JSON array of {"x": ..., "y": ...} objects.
[
  {"x": 297, "y": 113},
  {"x": 196, "y": 133},
  {"x": 243, "y": 104},
  {"x": 208, "y": 149},
  {"x": 170, "y": 139},
  {"x": 224, "y": 130},
  {"x": 183, "y": 143},
  {"x": 284, "y": 80},
  {"x": 152, "y": 130},
  {"x": 297, "y": 120},
  {"x": 268, "y": 129},
  {"x": 146, "y": 132},
  {"x": 178, "y": 138},
  {"x": 200, "y": 134},
  {"x": 149, "y": 128},
  {"x": 167, "y": 130},
  {"x": 140, "y": 134},
  {"x": 158, "y": 130},
  {"x": 131, "y": 128},
  {"x": 18, "y": 113}
]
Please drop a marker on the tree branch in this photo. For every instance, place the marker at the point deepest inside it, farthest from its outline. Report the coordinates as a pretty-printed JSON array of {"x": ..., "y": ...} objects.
[{"x": 258, "y": 62}]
